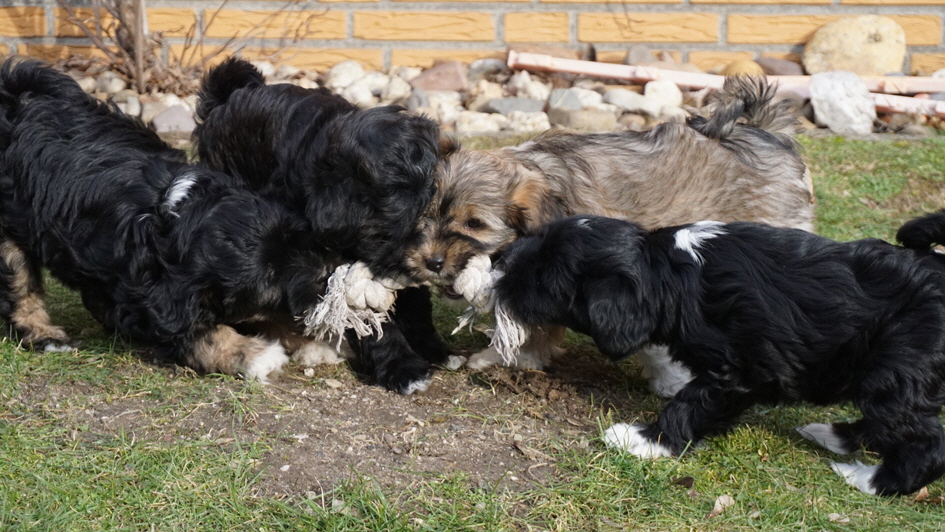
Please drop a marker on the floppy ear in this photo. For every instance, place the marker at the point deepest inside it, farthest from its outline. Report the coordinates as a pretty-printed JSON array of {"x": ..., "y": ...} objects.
[
  {"x": 617, "y": 317},
  {"x": 447, "y": 145},
  {"x": 532, "y": 203}
]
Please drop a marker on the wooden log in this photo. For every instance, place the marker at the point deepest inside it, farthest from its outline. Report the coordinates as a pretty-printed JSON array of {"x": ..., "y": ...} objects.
[{"x": 692, "y": 80}]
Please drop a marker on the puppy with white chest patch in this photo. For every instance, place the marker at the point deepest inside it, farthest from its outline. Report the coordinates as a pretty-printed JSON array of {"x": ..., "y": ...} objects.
[
  {"x": 758, "y": 315},
  {"x": 170, "y": 253},
  {"x": 741, "y": 163}
]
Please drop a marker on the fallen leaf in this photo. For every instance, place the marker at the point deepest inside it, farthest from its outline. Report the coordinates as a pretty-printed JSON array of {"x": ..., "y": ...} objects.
[
  {"x": 922, "y": 495},
  {"x": 723, "y": 502},
  {"x": 686, "y": 482},
  {"x": 532, "y": 454},
  {"x": 840, "y": 519}
]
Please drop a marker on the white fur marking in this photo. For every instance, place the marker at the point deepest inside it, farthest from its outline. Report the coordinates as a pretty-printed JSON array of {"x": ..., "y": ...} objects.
[
  {"x": 583, "y": 222},
  {"x": 417, "y": 386},
  {"x": 179, "y": 189},
  {"x": 691, "y": 238},
  {"x": 857, "y": 475},
  {"x": 314, "y": 353},
  {"x": 823, "y": 434},
  {"x": 666, "y": 376},
  {"x": 270, "y": 359},
  {"x": 454, "y": 362},
  {"x": 485, "y": 358},
  {"x": 627, "y": 438},
  {"x": 526, "y": 359},
  {"x": 55, "y": 347}
]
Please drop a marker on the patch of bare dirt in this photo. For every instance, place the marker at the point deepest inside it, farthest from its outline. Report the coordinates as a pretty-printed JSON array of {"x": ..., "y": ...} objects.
[{"x": 323, "y": 426}]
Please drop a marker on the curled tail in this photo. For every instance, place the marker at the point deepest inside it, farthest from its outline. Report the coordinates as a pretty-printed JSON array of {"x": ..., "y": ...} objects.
[
  {"x": 18, "y": 78},
  {"x": 924, "y": 232},
  {"x": 222, "y": 81},
  {"x": 746, "y": 100},
  {"x": 21, "y": 79}
]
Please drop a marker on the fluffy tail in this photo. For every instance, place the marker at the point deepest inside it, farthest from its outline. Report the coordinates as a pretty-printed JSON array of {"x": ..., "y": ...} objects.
[
  {"x": 746, "y": 100},
  {"x": 21, "y": 79},
  {"x": 222, "y": 81},
  {"x": 923, "y": 233}
]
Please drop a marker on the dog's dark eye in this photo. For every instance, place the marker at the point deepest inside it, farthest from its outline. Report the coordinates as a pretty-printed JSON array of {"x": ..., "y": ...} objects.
[{"x": 474, "y": 223}]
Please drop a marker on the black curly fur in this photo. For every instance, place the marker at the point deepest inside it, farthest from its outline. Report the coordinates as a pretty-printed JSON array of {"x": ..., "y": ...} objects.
[
  {"x": 162, "y": 250},
  {"x": 360, "y": 177}
]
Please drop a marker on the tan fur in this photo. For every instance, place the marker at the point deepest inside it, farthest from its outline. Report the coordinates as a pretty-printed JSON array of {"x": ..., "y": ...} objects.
[
  {"x": 224, "y": 350},
  {"x": 29, "y": 316},
  {"x": 669, "y": 176},
  {"x": 750, "y": 170}
]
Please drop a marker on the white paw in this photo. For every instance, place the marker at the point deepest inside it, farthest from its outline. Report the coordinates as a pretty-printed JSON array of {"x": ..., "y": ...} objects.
[
  {"x": 485, "y": 358},
  {"x": 315, "y": 353},
  {"x": 417, "y": 386},
  {"x": 454, "y": 362},
  {"x": 628, "y": 438},
  {"x": 529, "y": 360},
  {"x": 857, "y": 475},
  {"x": 269, "y": 360},
  {"x": 55, "y": 347},
  {"x": 666, "y": 376},
  {"x": 823, "y": 434}
]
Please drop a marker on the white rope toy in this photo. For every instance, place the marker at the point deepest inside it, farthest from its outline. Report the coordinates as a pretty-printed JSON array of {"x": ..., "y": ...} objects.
[
  {"x": 355, "y": 300},
  {"x": 476, "y": 283}
]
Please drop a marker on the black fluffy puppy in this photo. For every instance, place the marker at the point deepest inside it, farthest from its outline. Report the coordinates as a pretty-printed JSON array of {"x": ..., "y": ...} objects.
[
  {"x": 168, "y": 252},
  {"x": 361, "y": 178},
  {"x": 758, "y": 314}
]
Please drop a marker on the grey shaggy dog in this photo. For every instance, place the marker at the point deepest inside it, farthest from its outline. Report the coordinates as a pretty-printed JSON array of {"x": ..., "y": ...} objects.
[{"x": 739, "y": 163}]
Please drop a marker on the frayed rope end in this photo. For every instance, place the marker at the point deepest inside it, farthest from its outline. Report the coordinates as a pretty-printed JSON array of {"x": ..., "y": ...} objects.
[{"x": 333, "y": 314}]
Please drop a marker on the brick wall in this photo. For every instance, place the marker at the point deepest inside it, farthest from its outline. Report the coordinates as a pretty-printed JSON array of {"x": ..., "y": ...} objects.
[{"x": 382, "y": 33}]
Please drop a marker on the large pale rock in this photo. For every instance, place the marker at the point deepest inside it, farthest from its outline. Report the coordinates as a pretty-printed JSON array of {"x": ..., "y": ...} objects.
[
  {"x": 443, "y": 76},
  {"x": 588, "y": 119},
  {"x": 359, "y": 95},
  {"x": 780, "y": 67},
  {"x": 287, "y": 72},
  {"x": 527, "y": 87},
  {"x": 522, "y": 122},
  {"x": 481, "y": 69},
  {"x": 175, "y": 119},
  {"x": 743, "y": 67},
  {"x": 505, "y": 106},
  {"x": 374, "y": 82},
  {"x": 446, "y": 105},
  {"x": 109, "y": 83},
  {"x": 565, "y": 99},
  {"x": 396, "y": 90},
  {"x": 663, "y": 92},
  {"x": 842, "y": 102},
  {"x": 344, "y": 74},
  {"x": 631, "y": 101},
  {"x": 151, "y": 109},
  {"x": 406, "y": 73},
  {"x": 482, "y": 93},
  {"x": 473, "y": 123},
  {"x": 267, "y": 69},
  {"x": 868, "y": 45},
  {"x": 88, "y": 84}
]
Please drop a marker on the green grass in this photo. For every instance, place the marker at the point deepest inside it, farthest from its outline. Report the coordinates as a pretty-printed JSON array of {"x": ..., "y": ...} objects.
[{"x": 58, "y": 472}]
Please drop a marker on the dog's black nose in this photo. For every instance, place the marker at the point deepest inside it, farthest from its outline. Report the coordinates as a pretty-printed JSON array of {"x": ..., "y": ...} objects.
[{"x": 435, "y": 263}]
